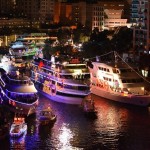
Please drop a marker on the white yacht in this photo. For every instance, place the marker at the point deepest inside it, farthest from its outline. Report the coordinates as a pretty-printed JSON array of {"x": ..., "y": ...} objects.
[
  {"x": 118, "y": 81},
  {"x": 65, "y": 82}
]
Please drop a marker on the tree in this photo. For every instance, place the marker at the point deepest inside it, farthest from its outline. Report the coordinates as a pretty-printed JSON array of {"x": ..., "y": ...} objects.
[
  {"x": 47, "y": 48},
  {"x": 122, "y": 41}
]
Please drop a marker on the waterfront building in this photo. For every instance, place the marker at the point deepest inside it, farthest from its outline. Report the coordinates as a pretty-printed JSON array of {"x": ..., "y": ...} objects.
[
  {"x": 94, "y": 14},
  {"x": 140, "y": 19},
  {"x": 90, "y": 15},
  {"x": 7, "y": 7},
  {"x": 115, "y": 14},
  {"x": 37, "y": 10},
  {"x": 19, "y": 23}
]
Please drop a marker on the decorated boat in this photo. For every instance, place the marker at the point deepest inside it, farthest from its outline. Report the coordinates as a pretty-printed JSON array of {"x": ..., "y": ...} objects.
[
  {"x": 47, "y": 117},
  {"x": 18, "y": 127},
  {"x": 17, "y": 91},
  {"x": 62, "y": 81},
  {"x": 119, "y": 81}
]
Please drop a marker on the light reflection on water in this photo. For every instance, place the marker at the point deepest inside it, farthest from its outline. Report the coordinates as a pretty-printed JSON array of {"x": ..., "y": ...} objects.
[
  {"x": 65, "y": 136},
  {"x": 117, "y": 127}
]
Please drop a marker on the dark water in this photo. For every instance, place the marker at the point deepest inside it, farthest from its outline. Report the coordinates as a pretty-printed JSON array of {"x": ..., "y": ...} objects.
[{"x": 117, "y": 127}]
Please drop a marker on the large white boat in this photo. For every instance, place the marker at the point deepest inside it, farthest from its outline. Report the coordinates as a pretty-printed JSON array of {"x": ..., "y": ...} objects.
[
  {"x": 62, "y": 82},
  {"x": 18, "y": 92},
  {"x": 118, "y": 81}
]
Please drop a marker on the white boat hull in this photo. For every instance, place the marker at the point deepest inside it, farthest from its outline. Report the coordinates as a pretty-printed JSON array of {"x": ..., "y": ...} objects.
[
  {"x": 63, "y": 99},
  {"x": 139, "y": 100}
]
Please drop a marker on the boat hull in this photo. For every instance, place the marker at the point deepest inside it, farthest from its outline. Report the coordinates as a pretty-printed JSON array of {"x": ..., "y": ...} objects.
[
  {"x": 21, "y": 108},
  {"x": 63, "y": 99},
  {"x": 47, "y": 121},
  {"x": 139, "y": 100}
]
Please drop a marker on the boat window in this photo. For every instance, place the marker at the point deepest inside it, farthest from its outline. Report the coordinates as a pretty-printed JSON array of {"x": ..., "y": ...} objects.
[
  {"x": 104, "y": 69},
  {"x": 114, "y": 70},
  {"x": 105, "y": 78},
  {"x": 100, "y": 68}
]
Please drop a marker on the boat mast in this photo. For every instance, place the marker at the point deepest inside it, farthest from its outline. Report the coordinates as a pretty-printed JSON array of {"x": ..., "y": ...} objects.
[{"x": 115, "y": 55}]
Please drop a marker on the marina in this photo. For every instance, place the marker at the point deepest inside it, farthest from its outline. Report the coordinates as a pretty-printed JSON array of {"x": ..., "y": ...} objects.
[
  {"x": 75, "y": 75},
  {"x": 114, "y": 125}
]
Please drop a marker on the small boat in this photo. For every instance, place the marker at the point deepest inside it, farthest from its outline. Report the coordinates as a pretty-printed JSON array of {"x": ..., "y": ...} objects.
[
  {"x": 18, "y": 127},
  {"x": 47, "y": 117},
  {"x": 88, "y": 105}
]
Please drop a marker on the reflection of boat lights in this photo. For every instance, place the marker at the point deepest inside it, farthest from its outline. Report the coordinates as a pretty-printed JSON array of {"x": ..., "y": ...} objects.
[
  {"x": 19, "y": 142},
  {"x": 64, "y": 137}
]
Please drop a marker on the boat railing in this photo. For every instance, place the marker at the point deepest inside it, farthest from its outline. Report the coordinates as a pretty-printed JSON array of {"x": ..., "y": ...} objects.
[
  {"x": 71, "y": 91},
  {"x": 25, "y": 100},
  {"x": 21, "y": 98},
  {"x": 126, "y": 92},
  {"x": 73, "y": 80},
  {"x": 16, "y": 80}
]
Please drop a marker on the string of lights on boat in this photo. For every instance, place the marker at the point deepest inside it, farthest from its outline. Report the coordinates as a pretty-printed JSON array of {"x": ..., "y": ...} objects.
[{"x": 117, "y": 55}]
